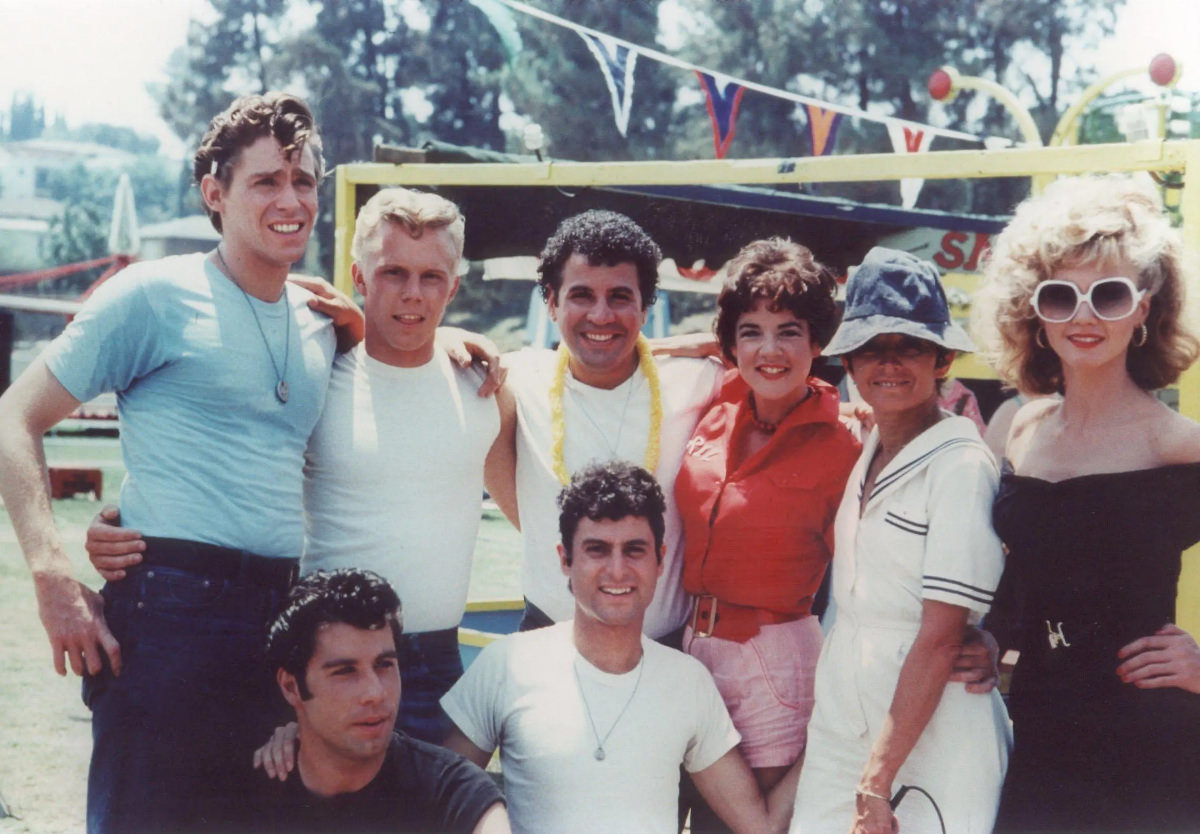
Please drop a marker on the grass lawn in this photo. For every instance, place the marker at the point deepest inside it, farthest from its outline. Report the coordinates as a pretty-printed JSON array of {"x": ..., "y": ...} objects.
[{"x": 45, "y": 730}]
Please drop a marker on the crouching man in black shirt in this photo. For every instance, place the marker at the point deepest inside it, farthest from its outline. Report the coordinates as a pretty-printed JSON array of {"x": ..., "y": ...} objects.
[{"x": 334, "y": 651}]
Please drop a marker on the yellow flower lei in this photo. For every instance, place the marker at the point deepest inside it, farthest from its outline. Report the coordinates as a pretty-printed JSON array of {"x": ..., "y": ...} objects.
[{"x": 558, "y": 428}]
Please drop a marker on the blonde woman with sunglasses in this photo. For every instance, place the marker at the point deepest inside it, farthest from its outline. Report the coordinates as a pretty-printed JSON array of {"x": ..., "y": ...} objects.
[{"x": 1100, "y": 493}]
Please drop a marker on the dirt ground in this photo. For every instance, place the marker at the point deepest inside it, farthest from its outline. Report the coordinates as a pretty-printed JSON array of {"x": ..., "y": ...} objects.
[{"x": 45, "y": 730}]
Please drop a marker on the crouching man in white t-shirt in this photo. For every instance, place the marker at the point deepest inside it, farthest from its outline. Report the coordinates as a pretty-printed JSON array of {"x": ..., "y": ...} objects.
[{"x": 592, "y": 718}]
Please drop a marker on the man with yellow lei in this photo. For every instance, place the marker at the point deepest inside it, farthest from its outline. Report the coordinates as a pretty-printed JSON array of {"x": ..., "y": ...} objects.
[{"x": 600, "y": 396}]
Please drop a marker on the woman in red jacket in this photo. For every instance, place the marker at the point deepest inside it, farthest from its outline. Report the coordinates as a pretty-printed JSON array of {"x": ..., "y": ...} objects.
[{"x": 760, "y": 485}]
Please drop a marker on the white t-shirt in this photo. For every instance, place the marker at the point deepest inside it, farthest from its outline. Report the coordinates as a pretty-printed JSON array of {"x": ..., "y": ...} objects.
[
  {"x": 602, "y": 424},
  {"x": 523, "y": 694},
  {"x": 394, "y": 480}
]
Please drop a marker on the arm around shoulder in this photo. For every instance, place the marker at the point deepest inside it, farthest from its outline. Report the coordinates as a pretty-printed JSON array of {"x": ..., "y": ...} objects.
[{"x": 500, "y": 468}]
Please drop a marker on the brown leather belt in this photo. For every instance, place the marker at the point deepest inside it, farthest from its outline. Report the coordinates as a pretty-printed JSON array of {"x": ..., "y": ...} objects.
[{"x": 713, "y": 618}]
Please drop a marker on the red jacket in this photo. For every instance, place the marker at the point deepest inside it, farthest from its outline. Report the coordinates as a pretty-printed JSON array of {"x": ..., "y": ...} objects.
[{"x": 762, "y": 535}]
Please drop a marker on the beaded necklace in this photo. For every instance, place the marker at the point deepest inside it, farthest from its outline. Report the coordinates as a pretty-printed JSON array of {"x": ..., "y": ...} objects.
[{"x": 558, "y": 429}]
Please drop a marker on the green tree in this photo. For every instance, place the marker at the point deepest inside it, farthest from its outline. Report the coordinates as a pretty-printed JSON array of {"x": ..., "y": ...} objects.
[
  {"x": 557, "y": 83},
  {"x": 80, "y": 232},
  {"x": 26, "y": 118},
  {"x": 230, "y": 53},
  {"x": 878, "y": 55},
  {"x": 463, "y": 67},
  {"x": 112, "y": 136}
]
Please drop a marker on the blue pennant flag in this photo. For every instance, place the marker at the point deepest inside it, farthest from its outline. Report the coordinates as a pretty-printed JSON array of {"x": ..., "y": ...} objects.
[
  {"x": 616, "y": 62},
  {"x": 723, "y": 97}
]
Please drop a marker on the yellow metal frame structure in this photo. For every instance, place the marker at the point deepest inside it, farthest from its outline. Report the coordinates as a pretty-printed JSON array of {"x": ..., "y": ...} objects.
[
  {"x": 479, "y": 639},
  {"x": 1156, "y": 156}
]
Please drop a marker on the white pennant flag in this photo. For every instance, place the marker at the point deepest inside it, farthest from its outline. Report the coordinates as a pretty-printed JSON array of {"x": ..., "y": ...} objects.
[
  {"x": 616, "y": 61},
  {"x": 909, "y": 139}
]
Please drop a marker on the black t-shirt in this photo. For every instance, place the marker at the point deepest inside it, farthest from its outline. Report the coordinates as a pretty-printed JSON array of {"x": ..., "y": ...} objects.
[{"x": 420, "y": 788}]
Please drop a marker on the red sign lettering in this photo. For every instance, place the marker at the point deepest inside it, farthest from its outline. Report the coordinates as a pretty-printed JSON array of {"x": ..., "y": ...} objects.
[
  {"x": 953, "y": 253},
  {"x": 951, "y": 257}
]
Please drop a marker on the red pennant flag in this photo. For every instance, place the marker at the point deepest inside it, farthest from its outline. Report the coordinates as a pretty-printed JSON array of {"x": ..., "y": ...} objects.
[
  {"x": 722, "y": 97},
  {"x": 913, "y": 139}
]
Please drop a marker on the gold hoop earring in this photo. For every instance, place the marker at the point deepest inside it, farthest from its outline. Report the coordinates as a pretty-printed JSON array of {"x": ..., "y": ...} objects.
[
  {"x": 1143, "y": 336},
  {"x": 1039, "y": 338}
]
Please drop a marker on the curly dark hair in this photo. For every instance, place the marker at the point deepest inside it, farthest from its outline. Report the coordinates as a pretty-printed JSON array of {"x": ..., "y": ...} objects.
[
  {"x": 359, "y": 598},
  {"x": 787, "y": 277},
  {"x": 605, "y": 238},
  {"x": 248, "y": 119},
  {"x": 611, "y": 491}
]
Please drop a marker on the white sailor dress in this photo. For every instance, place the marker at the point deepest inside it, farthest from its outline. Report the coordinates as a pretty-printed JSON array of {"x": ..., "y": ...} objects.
[{"x": 925, "y": 533}]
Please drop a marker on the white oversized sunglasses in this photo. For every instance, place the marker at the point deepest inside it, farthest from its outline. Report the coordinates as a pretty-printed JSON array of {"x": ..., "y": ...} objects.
[{"x": 1111, "y": 299}]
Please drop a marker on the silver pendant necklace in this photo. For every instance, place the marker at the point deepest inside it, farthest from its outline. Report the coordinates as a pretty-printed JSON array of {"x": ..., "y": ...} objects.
[
  {"x": 616, "y": 444},
  {"x": 281, "y": 386},
  {"x": 600, "y": 742}
]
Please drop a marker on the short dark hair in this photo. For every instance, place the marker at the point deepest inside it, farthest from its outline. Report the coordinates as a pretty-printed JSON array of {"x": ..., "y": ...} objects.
[
  {"x": 787, "y": 277},
  {"x": 358, "y": 598},
  {"x": 605, "y": 238},
  {"x": 249, "y": 118},
  {"x": 611, "y": 491}
]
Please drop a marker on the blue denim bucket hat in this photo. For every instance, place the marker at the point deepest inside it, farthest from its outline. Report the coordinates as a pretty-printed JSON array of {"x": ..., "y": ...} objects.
[{"x": 896, "y": 292}]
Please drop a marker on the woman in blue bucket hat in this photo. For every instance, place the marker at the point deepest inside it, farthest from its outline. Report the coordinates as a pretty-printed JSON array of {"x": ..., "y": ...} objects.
[{"x": 916, "y": 562}]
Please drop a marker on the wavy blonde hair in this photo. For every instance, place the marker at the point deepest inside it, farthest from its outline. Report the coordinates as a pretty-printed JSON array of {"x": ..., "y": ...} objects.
[
  {"x": 416, "y": 211},
  {"x": 1084, "y": 221}
]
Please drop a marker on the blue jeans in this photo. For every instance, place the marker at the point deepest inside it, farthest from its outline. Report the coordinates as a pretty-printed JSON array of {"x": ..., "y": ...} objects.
[
  {"x": 430, "y": 664},
  {"x": 173, "y": 735}
]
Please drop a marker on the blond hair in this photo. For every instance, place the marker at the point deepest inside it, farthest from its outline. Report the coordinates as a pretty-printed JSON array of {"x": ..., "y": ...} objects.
[
  {"x": 416, "y": 211},
  {"x": 1084, "y": 221}
]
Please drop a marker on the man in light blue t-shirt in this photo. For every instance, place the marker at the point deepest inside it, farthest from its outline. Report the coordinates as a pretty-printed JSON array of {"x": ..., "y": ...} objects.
[
  {"x": 395, "y": 465},
  {"x": 220, "y": 370}
]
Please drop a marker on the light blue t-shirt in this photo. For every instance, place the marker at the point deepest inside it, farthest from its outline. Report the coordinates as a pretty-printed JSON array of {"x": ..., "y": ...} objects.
[{"x": 211, "y": 455}]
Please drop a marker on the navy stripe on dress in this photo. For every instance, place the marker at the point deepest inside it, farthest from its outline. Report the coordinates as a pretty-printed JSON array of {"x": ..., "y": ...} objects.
[
  {"x": 953, "y": 586},
  {"x": 905, "y": 524},
  {"x": 890, "y": 479}
]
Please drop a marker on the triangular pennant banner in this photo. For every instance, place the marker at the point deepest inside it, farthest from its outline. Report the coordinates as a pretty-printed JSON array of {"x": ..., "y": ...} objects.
[
  {"x": 616, "y": 62},
  {"x": 908, "y": 139},
  {"x": 502, "y": 20},
  {"x": 724, "y": 96},
  {"x": 822, "y": 127}
]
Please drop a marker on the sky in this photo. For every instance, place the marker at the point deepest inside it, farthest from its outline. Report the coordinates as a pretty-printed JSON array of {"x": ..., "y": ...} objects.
[{"x": 91, "y": 60}]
